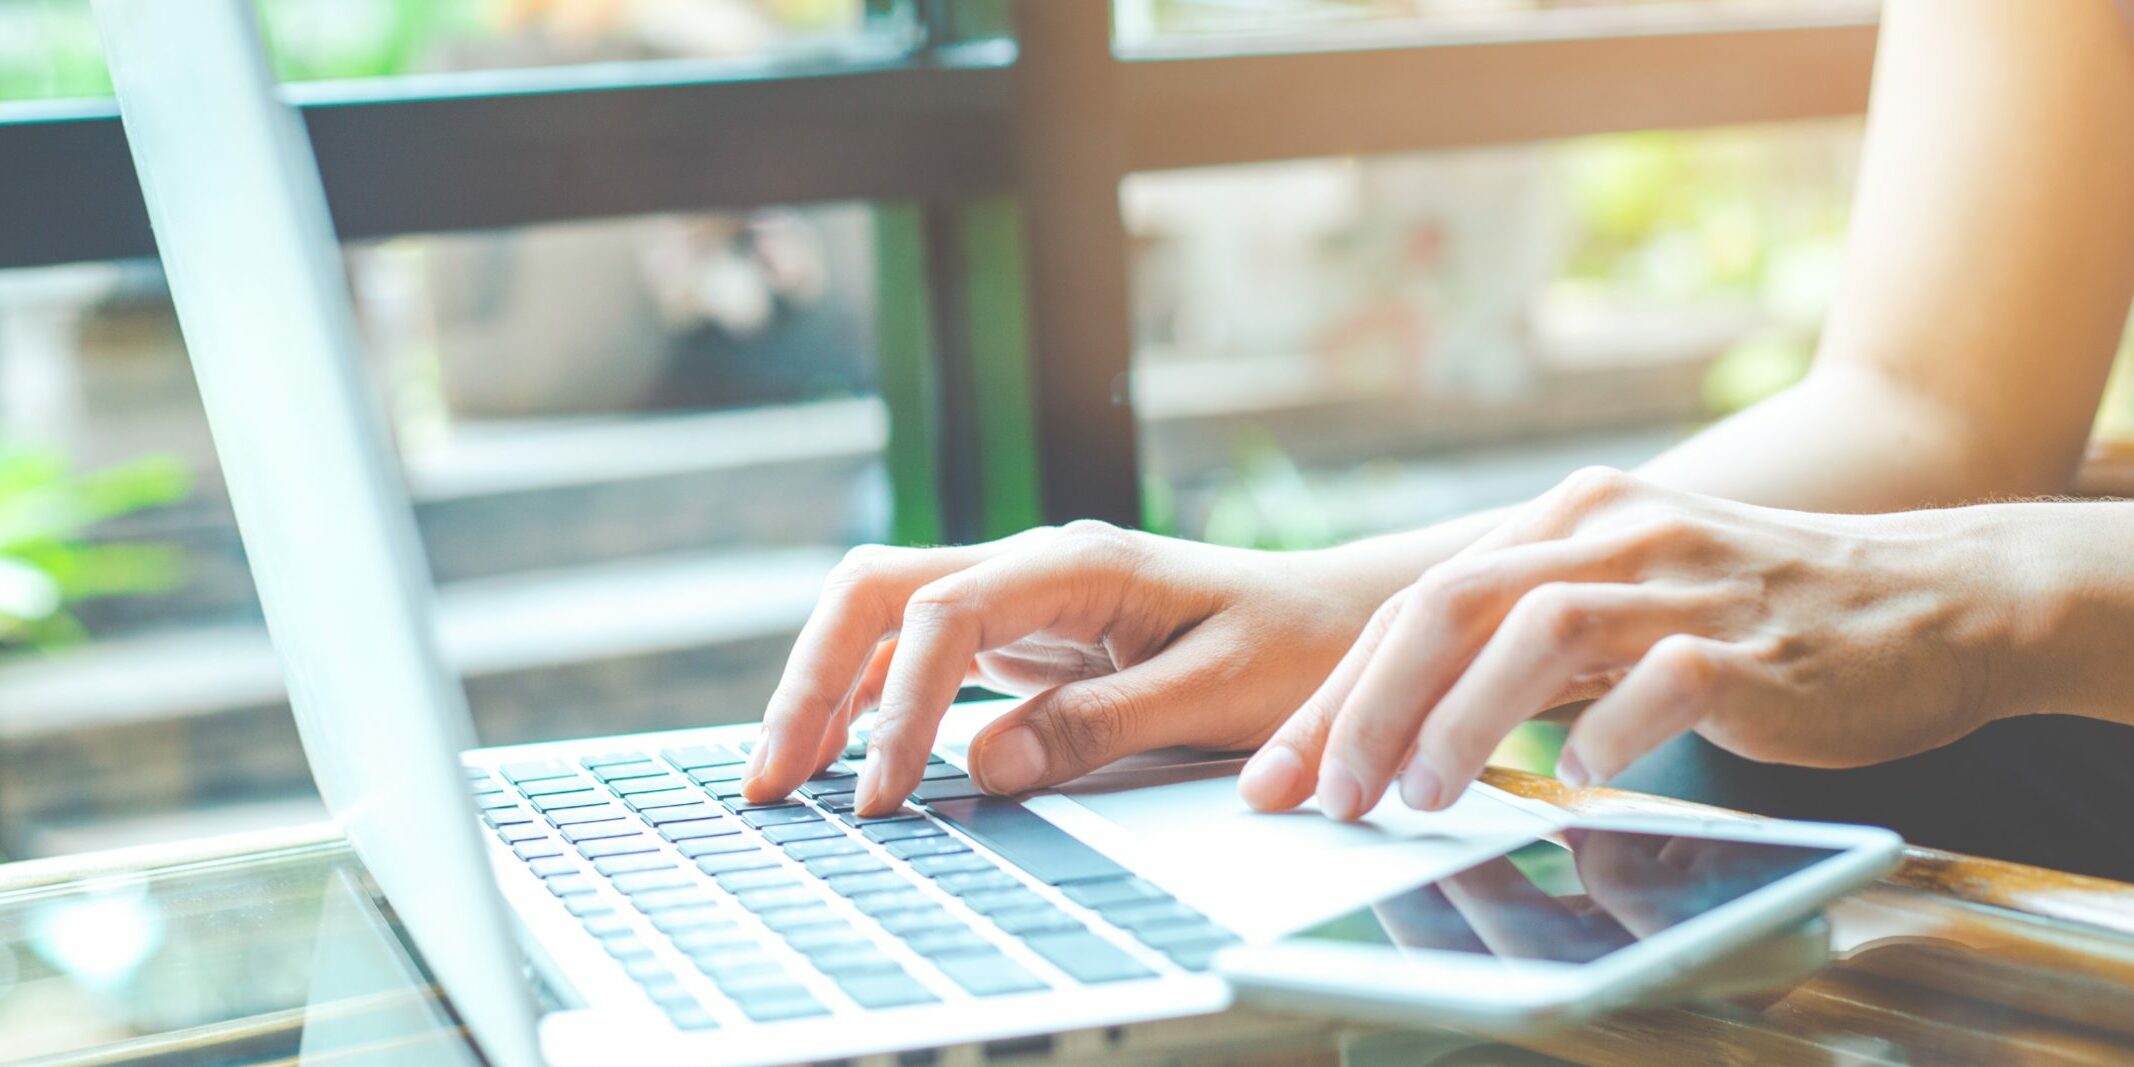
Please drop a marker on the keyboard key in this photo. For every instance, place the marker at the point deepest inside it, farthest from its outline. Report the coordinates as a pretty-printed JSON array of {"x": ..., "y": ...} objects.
[
  {"x": 632, "y": 787},
  {"x": 535, "y": 850},
  {"x": 1087, "y": 957},
  {"x": 626, "y": 948},
  {"x": 865, "y": 959},
  {"x": 575, "y": 799},
  {"x": 768, "y": 1008},
  {"x": 977, "y": 882},
  {"x": 1146, "y": 914},
  {"x": 723, "y": 936},
  {"x": 1198, "y": 956},
  {"x": 549, "y": 786},
  {"x": 675, "y": 920},
  {"x": 694, "y": 828},
  {"x": 594, "y": 831},
  {"x": 570, "y": 885},
  {"x": 551, "y": 866},
  {"x": 640, "y": 861},
  {"x": 585, "y": 907},
  {"x": 787, "y": 921},
  {"x": 475, "y": 774},
  {"x": 940, "y": 770},
  {"x": 762, "y": 817},
  {"x": 668, "y": 991},
  {"x": 662, "y": 899},
  {"x": 818, "y": 848},
  {"x": 692, "y": 812},
  {"x": 590, "y": 813},
  {"x": 1022, "y": 922},
  {"x": 905, "y": 812},
  {"x": 946, "y": 789},
  {"x": 617, "y": 846},
  {"x": 893, "y": 989},
  {"x": 849, "y": 863},
  {"x": 1112, "y": 891},
  {"x": 905, "y": 899},
  {"x": 898, "y": 830},
  {"x": 691, "y": 1017},
  {"x": 652, "y": 800},
  {"x": 935, "y": 866},
  {"x": 740, "y": 968},
  {"x": 826, "y": 937},
  {"x": 647, "y": 881},
  {"x": 535, "y": 770},
  {"x": 609, "y": 925},
  {"x": 751, "y": 860},
  {"x": 737, "y": 881},
  {"x": 646, "y": 969},
  {"x": 774, "y": 897},
  {"x": 912, "y": 848},
  {"x": 837, "y": 803},
  {"x": 496, "y": 799},
  {"x": 517, "y": 832},
  {"x": 498, "y": 818},
  {"x": 691, "y": 757},
  {"x": 621, "y": 771},
  {"x": 611, "y": 759},
  {"x": 847, "y": 885},
  {"x": 735, "y": 797},
  {"x": 700, "y": 847},
  {"x": 947, "y": 941},
  {"x": 906, "y": 924},
  {"x": 801, "y": 831},
  {"x": 988, "y": 974},
  {"x": 1049, "y": 853},
  {"x": 717, "y": 775},
  {"x": 998, "y": 900}
]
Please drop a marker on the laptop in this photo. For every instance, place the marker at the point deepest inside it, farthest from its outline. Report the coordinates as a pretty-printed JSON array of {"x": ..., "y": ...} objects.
[{"x": 598, "y": 900}]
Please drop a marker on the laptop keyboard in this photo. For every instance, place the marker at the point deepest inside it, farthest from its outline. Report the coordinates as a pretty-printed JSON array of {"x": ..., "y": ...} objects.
[{"x": 801, "y": 908}]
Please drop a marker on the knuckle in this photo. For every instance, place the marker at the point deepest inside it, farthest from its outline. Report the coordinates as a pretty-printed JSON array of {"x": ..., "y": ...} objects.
[
  {"x": 1556, "y": 615},
  {"x": 860, "y": 566},
  {"x": 1591, "y": 487},
  {"x": 1090, "y": 730},
  {"x": 1684, "y": 664},
  {"x": 1454, "y": 587},
  {"x": 937, "y": 603}
]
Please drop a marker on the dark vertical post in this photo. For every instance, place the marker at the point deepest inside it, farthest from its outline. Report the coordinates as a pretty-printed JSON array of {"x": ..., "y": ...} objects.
[{"x": 1068, "y": 147}]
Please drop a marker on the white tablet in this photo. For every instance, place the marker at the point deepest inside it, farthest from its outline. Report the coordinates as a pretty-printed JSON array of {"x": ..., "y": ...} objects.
[{"x": 1561, "y": 927}]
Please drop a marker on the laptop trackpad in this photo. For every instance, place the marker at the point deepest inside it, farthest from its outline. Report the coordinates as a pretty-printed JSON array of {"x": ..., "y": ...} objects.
[{"x": 1176, "y": 818}]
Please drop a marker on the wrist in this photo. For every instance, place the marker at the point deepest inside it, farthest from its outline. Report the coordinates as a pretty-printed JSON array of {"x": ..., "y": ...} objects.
[{"x": 2055, "y": 607}]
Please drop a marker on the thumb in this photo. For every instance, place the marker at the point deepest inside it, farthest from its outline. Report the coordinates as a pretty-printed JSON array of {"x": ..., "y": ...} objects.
[{"x": 1069, "y": 730}]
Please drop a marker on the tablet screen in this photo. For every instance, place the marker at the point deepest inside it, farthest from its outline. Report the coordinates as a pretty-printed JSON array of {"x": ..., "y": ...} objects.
[{"x": 1545, "y": 901}]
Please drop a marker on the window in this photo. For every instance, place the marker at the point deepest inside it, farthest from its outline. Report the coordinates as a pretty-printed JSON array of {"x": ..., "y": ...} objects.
[{"x": 670, "y": 302}]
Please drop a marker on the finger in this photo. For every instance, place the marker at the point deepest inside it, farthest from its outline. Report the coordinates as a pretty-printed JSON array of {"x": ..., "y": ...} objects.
[
  {"x": 1515, "y": 917},
  {"x": 1559, "y": 512},
  {"x": 862, "y": 601},
  {"x": 1669, "y": 690},
  {"x": 948, "y": 622},
  {"x": 1629, "y": 876},
  {"x": 1556, "y": 633},
  {"x": 1450, "y": 615},
  {"x": 1069, "y": 730},
  {"x": 1277, "y": 777},
  {"x": 866, "y": 694}
]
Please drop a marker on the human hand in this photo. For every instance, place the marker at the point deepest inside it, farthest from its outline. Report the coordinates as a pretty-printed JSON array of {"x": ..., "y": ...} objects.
[
  {"x": 1822, "y": 640},
  {"x": 1129, "y": 642}
]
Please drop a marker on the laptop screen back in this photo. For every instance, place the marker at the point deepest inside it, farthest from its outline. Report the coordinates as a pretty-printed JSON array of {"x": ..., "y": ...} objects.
[{"x": 241, "y": 222}]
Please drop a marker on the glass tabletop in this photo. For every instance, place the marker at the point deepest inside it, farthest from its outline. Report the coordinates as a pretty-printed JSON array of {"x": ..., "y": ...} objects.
[{"x": 280, "y": 951}]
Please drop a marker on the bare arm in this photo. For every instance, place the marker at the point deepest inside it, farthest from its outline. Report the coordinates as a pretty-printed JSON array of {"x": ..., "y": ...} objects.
[{"x": 1987, "y": 279}]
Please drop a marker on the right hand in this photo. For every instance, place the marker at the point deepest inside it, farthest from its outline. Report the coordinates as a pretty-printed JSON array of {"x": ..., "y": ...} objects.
[{"x": 1126, "y": 641}]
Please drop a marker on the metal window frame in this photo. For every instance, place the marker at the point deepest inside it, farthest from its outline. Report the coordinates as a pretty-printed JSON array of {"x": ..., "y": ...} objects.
[{"x": 1050, "y": 125}]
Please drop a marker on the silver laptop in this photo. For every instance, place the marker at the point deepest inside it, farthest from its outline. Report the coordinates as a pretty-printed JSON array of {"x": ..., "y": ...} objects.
[{"x": 664, "y": 915}]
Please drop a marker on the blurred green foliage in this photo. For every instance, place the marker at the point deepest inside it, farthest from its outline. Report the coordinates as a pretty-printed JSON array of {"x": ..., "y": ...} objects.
[{"x": 46, "y": 563}]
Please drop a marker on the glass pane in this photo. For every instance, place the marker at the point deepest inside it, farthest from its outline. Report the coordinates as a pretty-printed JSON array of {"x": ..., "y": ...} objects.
[
  {"x": 1141, "y": 21},
  {"x": 48, "y": 48},
  {"x": 1333, "y": 348},
  {"x": 636, "y": 446}
]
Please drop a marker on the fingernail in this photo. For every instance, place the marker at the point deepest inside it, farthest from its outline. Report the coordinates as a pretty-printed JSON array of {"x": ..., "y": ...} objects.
[
  {"x": 1271, "y": 774},
  {"x": 1012, "y": 761},
  {"x": 1420, "y": 785},
  {"x": 1571, "y": 771},
  {"x": 759, "y": 755},
  {"x": 868, "y": 797},
  {"x": 1340, "y": 795}
]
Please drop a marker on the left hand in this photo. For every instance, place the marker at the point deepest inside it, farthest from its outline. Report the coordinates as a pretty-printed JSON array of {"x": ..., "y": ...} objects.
[{"x": 1821, "y": 640}]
